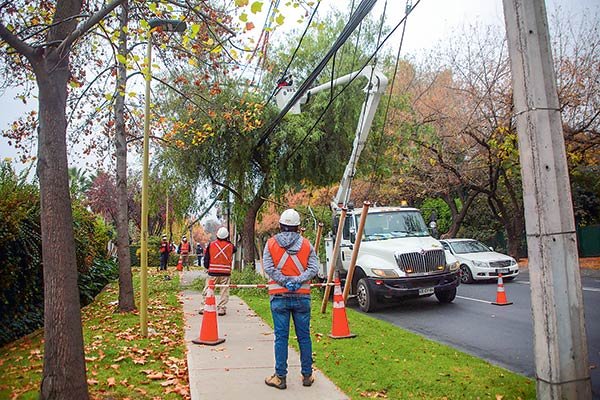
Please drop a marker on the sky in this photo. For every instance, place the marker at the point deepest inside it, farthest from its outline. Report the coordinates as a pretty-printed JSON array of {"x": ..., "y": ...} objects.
[{"x": 431, "y": 22}]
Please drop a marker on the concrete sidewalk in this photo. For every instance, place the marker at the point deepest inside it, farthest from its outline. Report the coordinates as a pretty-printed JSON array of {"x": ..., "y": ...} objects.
[{"x": 237, "y": 368}]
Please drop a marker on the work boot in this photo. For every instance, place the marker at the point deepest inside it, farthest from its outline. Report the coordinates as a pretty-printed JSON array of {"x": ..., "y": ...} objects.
[
  {"x": 307, "y": 380},
  {"x": 276, "y": 381},
  {"x": 201, "y": 312},
  {"x": 221, "y": 312}
]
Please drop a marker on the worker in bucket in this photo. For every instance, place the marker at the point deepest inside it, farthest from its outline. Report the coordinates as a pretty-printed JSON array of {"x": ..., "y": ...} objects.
[
  {"x": 291, "y": 262},
  {"x": 218, "y": 258}
]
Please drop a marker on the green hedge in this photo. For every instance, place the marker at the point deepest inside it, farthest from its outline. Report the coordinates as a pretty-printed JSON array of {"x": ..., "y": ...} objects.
[{"x": 21, "y": 286}]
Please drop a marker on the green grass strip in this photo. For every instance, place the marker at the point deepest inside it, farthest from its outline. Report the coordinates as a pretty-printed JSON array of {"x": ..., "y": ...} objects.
[
  {"x": 120, "y": 362},
  {"x": 385, "y": 361}
]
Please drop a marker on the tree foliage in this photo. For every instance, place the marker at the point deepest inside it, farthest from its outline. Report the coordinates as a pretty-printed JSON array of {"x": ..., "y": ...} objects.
[{"x": 21, "y": 294}]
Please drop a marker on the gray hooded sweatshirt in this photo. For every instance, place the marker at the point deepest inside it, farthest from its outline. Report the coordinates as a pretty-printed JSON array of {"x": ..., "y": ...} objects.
[{"x": 291, "y": 242}]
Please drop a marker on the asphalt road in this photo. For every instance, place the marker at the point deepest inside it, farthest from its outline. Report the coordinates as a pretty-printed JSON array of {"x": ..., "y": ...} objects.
[{"x": 501, "y": 335}]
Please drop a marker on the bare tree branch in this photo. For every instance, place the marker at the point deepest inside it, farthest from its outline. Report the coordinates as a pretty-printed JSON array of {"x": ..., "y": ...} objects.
[
  {"x": 13, "y": 41},
  {"x": 87, "y": 25}
]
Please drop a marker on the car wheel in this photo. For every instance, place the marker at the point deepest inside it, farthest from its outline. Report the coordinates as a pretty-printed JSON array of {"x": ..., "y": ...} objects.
[
  {"x": 367, "y": 301},
  {"x": 465, "y": 274},
  {"x": 446, "y": 296}
]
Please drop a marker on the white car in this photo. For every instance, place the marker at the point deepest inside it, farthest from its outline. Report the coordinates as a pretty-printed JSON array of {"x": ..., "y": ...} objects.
[{"x": 479, "y": 262}]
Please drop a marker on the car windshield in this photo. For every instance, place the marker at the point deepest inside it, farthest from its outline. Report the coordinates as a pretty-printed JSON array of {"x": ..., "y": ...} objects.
[
  {"x": 394, "y": 224},
  {"x": 469, "y": 246}
]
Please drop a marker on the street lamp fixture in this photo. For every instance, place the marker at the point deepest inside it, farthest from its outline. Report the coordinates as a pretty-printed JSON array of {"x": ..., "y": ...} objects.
[{"x": 165, "y": 25}]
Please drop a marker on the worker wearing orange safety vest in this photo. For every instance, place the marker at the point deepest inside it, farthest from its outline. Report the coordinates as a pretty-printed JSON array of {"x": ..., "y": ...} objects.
[
  {"x": 184, "y": 249},
  {"x": 218, "y": 259},
  {"x": 291, "y": 262}
]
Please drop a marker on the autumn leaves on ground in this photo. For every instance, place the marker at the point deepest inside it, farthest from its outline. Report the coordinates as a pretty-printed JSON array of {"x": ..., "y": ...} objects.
[{"x": 120, "y": 362}]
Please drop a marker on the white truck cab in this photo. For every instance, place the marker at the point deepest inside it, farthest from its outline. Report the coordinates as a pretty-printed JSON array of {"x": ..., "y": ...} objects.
[{"x": 397, "y": 259}]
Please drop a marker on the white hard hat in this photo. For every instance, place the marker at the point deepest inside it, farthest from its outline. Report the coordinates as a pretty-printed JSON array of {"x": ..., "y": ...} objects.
[
  {"x": 222, "y": 233},
  {"x": 290, "y": 217}
]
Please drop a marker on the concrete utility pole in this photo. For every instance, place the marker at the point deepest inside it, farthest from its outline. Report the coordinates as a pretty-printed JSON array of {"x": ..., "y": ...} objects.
[{"x": 561, "y": 354}]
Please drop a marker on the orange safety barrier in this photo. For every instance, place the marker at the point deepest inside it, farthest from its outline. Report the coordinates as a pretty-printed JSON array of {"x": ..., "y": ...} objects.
[
  {"x": 339, "y": 325},
  {"x": 501, "y": 294},
  {"x": 209, "y": 331}
]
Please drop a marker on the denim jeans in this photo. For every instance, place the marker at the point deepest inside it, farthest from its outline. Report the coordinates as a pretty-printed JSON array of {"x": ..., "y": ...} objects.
[{"x": 299, "y": 308}]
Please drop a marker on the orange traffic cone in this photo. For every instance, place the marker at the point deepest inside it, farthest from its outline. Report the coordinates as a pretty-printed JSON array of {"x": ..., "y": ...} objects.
[
  {"x": 500, "y": 294},
  {"x": 180, "y": 264},
  {"x": 339, "y": 325},
  {"x": 209, "y": 331}
]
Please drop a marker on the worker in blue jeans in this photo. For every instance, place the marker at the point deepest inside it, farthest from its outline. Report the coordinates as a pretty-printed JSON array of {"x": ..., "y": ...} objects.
[{"x": 291, "y": 262}]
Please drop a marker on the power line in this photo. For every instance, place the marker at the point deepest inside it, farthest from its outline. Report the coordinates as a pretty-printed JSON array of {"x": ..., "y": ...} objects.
[
  {"x": 403, "y": 20},
  {"x": 363, "y": 9},
  {"x": 285, "y": 71},
  {"x": 387, "y": 106}
]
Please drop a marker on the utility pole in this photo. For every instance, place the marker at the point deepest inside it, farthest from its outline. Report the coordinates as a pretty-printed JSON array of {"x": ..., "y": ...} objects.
[{"x": 561, "y": 354}]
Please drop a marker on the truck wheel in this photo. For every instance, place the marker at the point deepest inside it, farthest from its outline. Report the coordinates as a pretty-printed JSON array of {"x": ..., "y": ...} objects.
[
  {"x": 446, "y": 296},
  {"x": 367, "y": 301},
  {"x": 465, "y": 274}
]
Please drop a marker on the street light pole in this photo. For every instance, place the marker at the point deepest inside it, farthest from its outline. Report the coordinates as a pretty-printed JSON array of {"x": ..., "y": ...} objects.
[{"x": 169, "y": 26}]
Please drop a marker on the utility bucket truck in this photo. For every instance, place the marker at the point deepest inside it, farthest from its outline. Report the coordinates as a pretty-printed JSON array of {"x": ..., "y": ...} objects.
[{"x": 398, "y": 258}]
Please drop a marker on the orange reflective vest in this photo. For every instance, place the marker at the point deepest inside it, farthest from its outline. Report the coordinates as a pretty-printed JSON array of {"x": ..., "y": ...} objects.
[
  {"x": 289, "y": 265},
  {"x": 221, "y": 257},
  {"x": 184, "y": 248}
]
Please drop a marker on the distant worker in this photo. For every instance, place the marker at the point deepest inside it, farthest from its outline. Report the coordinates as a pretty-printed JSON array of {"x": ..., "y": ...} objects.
[
  {"x": 291, "y": 262},
  {"x": 184, "y": 249},
  {"x": 218, "y": 259},
  {"x": 165, "y": 250},
  {"x": 199, "y": 253}
]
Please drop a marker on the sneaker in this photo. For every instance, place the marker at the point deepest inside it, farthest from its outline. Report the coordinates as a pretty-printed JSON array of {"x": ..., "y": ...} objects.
[
  {"x": 276, "y": 381},
  {"x": 307, "y": 380},
  {"x": 221, "y": 312},
  {"x": 201, "y": 312}
]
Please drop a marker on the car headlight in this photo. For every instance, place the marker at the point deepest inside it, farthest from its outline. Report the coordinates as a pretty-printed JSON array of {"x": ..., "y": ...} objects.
[
  {"x": 385, "y": 273},
  {"x": 481, "y": 264},
  {"x": 513, "y": 261},
  {"x": 454, "y": 266}
]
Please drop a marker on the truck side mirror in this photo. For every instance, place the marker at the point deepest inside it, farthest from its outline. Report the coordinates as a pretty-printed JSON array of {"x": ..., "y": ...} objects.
[{"x": 352, "y": 235}]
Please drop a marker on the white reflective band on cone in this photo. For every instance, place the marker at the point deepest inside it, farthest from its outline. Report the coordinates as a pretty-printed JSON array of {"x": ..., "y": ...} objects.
[
  {"x": 337, "y": 290},
  {"x": 338, "y": 304},
  {"x": 210, "y": 308},
  {"x": 210, "y": 292}
]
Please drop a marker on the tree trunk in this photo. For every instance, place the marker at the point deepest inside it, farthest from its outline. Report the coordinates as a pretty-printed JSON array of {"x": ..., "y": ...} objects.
[
  {"x": 514, "y": 231},
  {"x": 457, "y": 216},
  {"x": 126, "y": 299},
  {"x": 249, "y": 232},
  {"x": 64, "y": 375}
]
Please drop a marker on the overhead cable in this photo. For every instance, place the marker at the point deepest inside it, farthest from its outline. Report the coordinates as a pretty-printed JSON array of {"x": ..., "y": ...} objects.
[
  {"x": 285, "y": 71},
  {"x": 352, "y": 80},
  {"x": 363, "y": 9}
]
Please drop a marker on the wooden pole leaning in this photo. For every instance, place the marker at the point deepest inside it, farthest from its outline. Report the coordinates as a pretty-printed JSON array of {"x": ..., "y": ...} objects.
[
  {"x": 334, "y": 257},
  {"x": 358, "y": 240},
  {"x": 318, "y": 238}
]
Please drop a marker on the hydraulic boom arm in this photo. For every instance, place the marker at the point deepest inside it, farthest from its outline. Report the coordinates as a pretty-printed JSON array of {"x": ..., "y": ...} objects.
[{"x": 376, "y": 86}]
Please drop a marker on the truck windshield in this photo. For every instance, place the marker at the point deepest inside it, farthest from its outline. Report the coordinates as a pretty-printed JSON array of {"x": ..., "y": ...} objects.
[{"x": 394, "y": 224}]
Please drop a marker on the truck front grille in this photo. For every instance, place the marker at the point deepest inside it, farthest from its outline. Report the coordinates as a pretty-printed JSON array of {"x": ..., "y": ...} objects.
[{"x": 425, "y": 261}]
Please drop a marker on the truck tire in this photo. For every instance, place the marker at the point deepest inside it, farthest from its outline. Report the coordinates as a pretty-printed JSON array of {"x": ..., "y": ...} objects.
[
  {"x": 367, "y": 301},
  {"x": 465, "y": 274},
  {"x": 446, "y": 296}
]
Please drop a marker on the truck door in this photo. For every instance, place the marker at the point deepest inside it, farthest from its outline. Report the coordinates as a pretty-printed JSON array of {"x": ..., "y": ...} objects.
[{"x": 346, "y": 245}]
